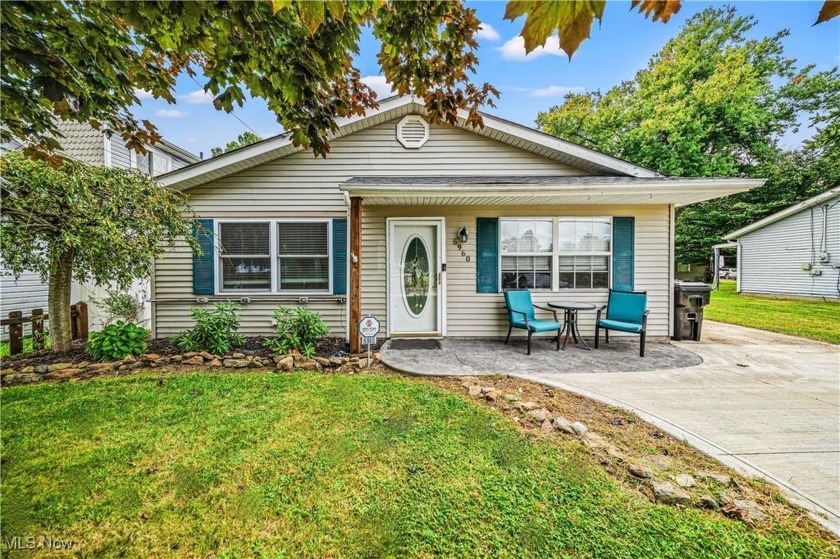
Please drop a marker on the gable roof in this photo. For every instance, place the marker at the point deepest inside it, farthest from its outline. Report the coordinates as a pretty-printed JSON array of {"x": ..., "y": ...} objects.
[
  {"x": 496, "y": 128},
  {"x": 778, "y": 216}
]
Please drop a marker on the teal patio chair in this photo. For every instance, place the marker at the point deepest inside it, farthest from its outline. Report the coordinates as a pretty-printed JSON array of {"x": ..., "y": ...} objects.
[
  {"x": 626, "y": 312},
  {"x": 520, "y": 311}
]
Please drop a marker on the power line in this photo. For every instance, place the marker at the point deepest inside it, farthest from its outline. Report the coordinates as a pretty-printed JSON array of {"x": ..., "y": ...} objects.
[{"x": 231, "y": 113}]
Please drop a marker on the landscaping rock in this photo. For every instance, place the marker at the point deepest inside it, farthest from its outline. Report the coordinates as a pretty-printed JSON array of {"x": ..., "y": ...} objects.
[
  {"x": 27, "y": 370},
  {"x": 377, "y": 357},
  {"x": 336, "y": 361},
  {"x": 660, "y": 461},
  {"x": 194, "y": 360},
  {"x": 127, "y": 360},
  {"x": 709, "y": 502},
  {"x": 238, "y": 355},
  {"x": 5, "y": 372},
  {"x": 207, "y": 356},
  {"x": 42, "y": 369},
  {"x": 755, "y": 512},
  {"x": 579, "y": 428},
  {"x": 594, "y": 440},
  {"x": 286, "y": 363},
  {"x": 525, "y": 406},
  {"x": 719, "y": 478},
  {"x": 22, "y": 378},
  {"x": 152, "y": 357},
  {"x": 493, "y": 395},
  {"x": 563, "y": 424},
  {"x": 63, "y": 374},
  {"x": 216, "y": 362},
  {"x": 540, "y": 415},
  {"x": 474, "y": 390},
  {"x": 642, "y": 472},
  {"x": 188, "y": 355},
  {"x": 58, "y": 367},
  {"x": 82, "y": 365},
  {"x": 235, "y": 363},
  {"x": 511, "y": 398},
  {"x": 547, "y": 427},
  {"x": 667, "y": 493},
  {"x": 685, "y": 480},
  {"x": 306, "y": 364},
  {"x": 323, "y": 362}
]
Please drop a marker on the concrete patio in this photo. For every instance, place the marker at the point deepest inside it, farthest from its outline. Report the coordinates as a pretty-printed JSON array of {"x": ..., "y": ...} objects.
[{"x": 764, "y": 404}]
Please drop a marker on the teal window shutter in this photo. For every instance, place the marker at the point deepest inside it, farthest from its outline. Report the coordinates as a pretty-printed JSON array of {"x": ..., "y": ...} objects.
[
  {"x": 204, "y": 269},
  {"x": 339, "y": 248},
  {"x": 487, "y": 255},
  {"x": 624, "y": 241}
]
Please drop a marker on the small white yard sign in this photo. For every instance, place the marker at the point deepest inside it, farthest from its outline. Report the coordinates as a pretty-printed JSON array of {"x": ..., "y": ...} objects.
[{"x": 368, "y": 327}]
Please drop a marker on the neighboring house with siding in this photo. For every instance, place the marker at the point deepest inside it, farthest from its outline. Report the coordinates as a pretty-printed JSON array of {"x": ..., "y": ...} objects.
[
  {"x": 84, "y": 143},
  {"x": 793, "y": 252},
  {"x": 373, "y": 228}
]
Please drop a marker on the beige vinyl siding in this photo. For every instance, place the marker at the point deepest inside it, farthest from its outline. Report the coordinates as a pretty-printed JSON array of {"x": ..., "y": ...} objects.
[
  {"x": 301, "y": 185},
  {"x": 472, "y": 314},
  {"x": 771, "y": 257},
  {"x": 120, "y": 156}
]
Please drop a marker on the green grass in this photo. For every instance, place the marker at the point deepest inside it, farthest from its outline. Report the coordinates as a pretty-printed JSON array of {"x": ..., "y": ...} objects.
[
  {"x": 270, "y": 465},
  {"x": 817, "y": 320},
  {"x": 27, "y": 346}
]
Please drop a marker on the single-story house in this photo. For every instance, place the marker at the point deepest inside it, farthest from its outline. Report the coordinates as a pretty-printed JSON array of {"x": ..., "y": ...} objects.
[
  {"x": 423, "y": 226},
  {"x": 794, "y": 252}
]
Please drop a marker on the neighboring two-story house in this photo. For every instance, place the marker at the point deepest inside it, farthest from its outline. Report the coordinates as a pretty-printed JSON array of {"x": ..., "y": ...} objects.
[{"x": 94, "y": 147}]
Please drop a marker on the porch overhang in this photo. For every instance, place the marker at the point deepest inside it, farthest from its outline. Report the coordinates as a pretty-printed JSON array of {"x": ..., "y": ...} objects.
[{"x": 530, "y": 190}]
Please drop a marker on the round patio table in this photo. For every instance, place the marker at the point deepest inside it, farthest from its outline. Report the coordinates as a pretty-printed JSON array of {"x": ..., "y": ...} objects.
[{"x": 570, "y": 322}]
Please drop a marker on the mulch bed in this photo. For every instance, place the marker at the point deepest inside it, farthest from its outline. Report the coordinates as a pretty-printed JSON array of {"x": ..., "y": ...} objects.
[{"x": 254, "y": 345}]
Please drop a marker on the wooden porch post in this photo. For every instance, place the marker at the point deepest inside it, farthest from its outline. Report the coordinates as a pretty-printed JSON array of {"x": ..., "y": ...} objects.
[{"x": 355, "y": 273}]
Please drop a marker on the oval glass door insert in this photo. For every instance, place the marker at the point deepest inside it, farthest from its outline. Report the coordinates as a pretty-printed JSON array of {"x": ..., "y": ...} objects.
[{"x": 416, "y": 275}]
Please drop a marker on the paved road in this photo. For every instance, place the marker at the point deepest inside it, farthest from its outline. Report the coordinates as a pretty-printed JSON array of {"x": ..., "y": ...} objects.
[{"x": 765, "y": 404}]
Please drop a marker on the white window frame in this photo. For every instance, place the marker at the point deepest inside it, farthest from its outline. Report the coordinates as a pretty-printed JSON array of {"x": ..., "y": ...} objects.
[
  {"x": 549, "y": 254},
  {"x": 558, "y": 253},
  {"x": 273, "y": 256},
  {"x": 555, "y": 253}
]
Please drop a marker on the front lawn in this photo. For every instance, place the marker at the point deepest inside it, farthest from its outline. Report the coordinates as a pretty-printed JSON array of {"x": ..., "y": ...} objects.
[
  {"x": 810, "y": 319},
  {"x": 297, "y": 465}
]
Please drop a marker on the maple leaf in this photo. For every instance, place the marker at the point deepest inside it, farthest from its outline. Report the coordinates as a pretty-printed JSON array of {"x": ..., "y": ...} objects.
[
  {"x": 662, "y": 10},
  {"x": 830, "y": 9},
  {"x": 571, "y": 18}
]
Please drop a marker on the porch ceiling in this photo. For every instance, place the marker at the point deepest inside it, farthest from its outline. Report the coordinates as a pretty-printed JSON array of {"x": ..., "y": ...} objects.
[{"x": 529, "y": 190}]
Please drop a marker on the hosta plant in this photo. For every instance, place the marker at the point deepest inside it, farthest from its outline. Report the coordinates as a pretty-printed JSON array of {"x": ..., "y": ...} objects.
[{"x": 118, "y": 341}]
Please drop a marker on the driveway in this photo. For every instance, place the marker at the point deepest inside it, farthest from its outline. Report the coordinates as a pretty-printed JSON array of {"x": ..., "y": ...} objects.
[{"x": 765, "y": 404}]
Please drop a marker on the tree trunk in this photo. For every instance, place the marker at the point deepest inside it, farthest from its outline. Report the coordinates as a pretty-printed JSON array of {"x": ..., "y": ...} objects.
[{"x": 61, "y": 277}]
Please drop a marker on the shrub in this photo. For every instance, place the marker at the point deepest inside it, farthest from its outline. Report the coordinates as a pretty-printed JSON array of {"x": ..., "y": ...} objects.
[
  {"x": 118, "y": 341},
  {"x": 121, "y": 306},
  {"x": 297, "y": 328},
  {"x": 214, "y": 331}
]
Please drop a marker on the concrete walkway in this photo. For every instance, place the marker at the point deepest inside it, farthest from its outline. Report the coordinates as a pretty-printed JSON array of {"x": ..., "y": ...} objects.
[{"x": 765, "y": 404}]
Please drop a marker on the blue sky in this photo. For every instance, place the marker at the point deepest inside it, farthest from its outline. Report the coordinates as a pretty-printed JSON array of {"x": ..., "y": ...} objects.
[{"x": 622, "y": 45}]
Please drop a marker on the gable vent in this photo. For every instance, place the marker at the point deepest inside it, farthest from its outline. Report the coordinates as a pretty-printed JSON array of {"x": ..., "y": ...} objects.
[{"x": 413, "y": 131}]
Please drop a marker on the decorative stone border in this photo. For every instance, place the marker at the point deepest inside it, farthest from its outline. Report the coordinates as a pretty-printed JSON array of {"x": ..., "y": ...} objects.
[{"x": 29, "y": 374}]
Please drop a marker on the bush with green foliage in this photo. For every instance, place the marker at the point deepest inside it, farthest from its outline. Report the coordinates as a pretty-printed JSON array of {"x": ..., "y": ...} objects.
[
  {"x": 215, "y": 331},
  {"x": 118, "y": 341},
  {"x": 297, "y": 329},
  {"x": 119, "y": 305}
]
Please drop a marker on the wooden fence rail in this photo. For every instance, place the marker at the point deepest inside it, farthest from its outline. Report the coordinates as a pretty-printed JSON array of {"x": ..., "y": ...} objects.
[{"x": 16, "y": 320}]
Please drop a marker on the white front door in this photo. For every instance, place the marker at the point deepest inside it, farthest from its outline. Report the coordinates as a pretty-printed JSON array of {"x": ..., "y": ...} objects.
[{"x": 415, "y": 277}]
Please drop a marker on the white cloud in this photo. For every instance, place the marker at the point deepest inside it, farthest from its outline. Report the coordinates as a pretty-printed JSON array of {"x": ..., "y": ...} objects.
[
  {"x": 555, "y": 91},
  {"x": 142, "y": 94},
  {"x": 486, "y": 31},
  {"x": 170, "y": 113},
  {"x": 379, "y": 85},
  {"x": 198, "y": 97},
  {"x": 514, "y": 49}
]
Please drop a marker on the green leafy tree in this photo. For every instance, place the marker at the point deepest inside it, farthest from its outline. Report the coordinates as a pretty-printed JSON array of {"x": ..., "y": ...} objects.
[
  {"x": 712, "y": 103},
  {"x": 84, "y": 60},
  {"x": 244, "y": 139},
  {"x": 85, "y": 223}
]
